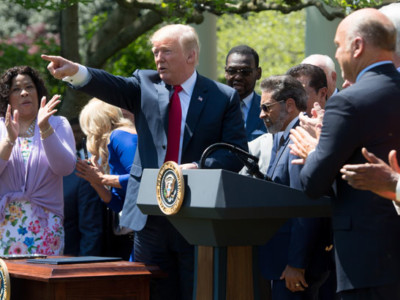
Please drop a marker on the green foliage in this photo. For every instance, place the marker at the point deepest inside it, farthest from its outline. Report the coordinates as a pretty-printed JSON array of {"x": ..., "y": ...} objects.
[
  {"x": 277, "y": 38},
  {"x": 353, "y": 4},
  {"x": 137, "y": 55},
  {"x": 12, "y": 55},
  {"x": 48, "y": 4},
  {"x": 90, "y": 28}
]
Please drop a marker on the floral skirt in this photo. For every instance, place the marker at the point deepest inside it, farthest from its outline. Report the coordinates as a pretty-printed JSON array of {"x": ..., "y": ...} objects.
[{"x": 22, "y": 233}]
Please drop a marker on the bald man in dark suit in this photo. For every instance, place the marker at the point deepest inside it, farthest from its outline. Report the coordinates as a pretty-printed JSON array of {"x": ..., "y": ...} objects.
[{"x": 366, "y": 227}]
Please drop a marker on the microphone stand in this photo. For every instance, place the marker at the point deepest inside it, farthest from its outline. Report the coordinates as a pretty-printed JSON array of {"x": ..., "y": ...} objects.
[{"x": 250, "y": 161}]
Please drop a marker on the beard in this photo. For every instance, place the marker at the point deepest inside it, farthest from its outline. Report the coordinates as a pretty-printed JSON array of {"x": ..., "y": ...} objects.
[{"x": 276, "y": 126}]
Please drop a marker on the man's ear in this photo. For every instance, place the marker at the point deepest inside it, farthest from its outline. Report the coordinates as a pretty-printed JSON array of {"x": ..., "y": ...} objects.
[
  {"x": 323, "y": 94},
  {"x": 334, "y": 76},
  {"x": 290, "y": 105},
  {"x": 259, "y": 72},
  {"x": 358, "y": 46},
  {"x": 191, "y": 57}
]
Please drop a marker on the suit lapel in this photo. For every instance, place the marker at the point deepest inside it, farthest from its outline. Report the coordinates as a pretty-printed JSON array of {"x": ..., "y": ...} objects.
[
  {"x": 197, "y": 103},
  {"x": 278, "y": 156},
  {"x": 251, "y": 122},
  {"x": 281, "y": 148},
  {"x": 163, "y": 102}
]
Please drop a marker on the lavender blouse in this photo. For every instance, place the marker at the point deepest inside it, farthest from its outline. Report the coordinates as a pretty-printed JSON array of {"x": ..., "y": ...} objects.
[{"x": 40, "y": 180}]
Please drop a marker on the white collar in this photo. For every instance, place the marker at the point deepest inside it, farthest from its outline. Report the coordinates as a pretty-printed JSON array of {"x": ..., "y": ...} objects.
[{"x": 188, "y": 85}]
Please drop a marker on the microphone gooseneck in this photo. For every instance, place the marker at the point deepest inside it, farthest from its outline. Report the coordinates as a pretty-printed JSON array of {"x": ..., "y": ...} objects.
[{"x": 250, "y": 161}]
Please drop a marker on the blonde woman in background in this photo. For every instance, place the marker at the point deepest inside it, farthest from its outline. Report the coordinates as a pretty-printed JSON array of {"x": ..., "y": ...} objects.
[{"x": 112, "y": 140}]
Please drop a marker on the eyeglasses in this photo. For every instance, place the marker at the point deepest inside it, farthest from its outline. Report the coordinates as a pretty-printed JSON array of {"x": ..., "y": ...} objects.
[
  {"x": 267, "y": 107},
  {"x": 243, "y": 72}
]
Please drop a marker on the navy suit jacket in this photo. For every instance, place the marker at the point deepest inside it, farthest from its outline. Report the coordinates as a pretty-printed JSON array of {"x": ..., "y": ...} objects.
[
  {"x": 254, "y": 125},
  {"x": 300, "y": 242},
  {"x": 213, "y": 116},
  {"x": 366, "y": 227},
  {"x": 83, "y": 217}
]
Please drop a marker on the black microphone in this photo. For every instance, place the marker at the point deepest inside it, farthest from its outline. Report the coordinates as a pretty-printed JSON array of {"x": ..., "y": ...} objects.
[{"x": 250, "y": 161}]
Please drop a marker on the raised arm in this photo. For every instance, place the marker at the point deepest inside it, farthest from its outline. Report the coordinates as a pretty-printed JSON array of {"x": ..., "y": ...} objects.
[
  {"x": 60, "y": 67},
  {"x": 12, "y": 128}
]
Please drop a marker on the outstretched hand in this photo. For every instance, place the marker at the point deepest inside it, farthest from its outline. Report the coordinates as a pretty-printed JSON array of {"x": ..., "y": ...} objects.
[
  {"x": 375, "y": 175},
  {"x": 90, "y": 171},
  {"x": 46, "y": 110},
  {"x": 12, "y": 124},
  {"x": 60, "y": 67}
]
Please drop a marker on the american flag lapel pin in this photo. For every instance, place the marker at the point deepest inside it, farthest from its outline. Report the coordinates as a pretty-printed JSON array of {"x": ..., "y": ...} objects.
[{"x": 200, "y": 98}]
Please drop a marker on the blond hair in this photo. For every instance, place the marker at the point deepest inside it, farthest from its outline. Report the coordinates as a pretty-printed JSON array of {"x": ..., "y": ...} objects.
[
  {"x": 186, "y": 35},
  {"x": 98, "y": 120}
]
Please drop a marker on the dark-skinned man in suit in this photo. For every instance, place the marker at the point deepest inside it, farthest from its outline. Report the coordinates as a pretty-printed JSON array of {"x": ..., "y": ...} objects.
[{"x": 242, "y": 71}]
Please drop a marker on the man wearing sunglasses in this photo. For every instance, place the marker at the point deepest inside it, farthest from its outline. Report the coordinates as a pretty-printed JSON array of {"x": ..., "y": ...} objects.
[
  {"x": 294, "y": 260},
  {"x": 242, "y": 72}
]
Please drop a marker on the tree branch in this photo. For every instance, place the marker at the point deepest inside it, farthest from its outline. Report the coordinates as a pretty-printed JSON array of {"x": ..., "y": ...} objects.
[
  {"x": 126, "y": 36},
  {"x": 177, "y": 8},
  {"x": 257, "y": 6}
]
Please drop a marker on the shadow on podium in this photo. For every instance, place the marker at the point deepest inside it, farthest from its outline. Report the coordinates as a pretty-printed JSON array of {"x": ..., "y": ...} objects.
[{"x": 224, "y": 214}]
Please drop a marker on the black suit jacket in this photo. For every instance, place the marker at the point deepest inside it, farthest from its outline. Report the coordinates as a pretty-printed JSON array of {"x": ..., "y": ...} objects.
[
  {"x": 254, "y": 125},
  {"x": 366, "y": 226},
  {"x": 214, "y": 116}
]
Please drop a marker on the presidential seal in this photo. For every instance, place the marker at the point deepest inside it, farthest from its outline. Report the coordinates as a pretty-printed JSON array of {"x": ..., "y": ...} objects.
[
  {"x": 170, "y": 188},
  {"x": 4, "y": 281}
]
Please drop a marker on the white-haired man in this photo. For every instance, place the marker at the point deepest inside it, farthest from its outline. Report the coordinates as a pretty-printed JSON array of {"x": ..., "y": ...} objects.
[
  {"x": 325, "y": 63},
  {"x": 178, "y": 114}
]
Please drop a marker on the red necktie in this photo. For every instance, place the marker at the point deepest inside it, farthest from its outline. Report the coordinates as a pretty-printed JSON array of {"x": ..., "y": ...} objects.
[{"x": 174, "y": 126}]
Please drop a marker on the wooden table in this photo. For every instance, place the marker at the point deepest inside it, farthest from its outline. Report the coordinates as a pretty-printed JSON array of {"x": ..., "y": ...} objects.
[{"x": 105, "y": 280}]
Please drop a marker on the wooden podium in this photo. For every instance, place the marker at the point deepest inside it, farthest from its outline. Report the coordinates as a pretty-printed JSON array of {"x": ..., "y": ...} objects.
[
  {"x": 102, "y": 280},
  {"x": 224, "y": 214}
]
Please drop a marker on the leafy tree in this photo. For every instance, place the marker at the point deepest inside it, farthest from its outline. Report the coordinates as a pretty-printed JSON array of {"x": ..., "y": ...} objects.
[
  {"x": 128, "y": 20},
  {"x": 278, "y": 39},
  {"x": 24, "y": 48}
]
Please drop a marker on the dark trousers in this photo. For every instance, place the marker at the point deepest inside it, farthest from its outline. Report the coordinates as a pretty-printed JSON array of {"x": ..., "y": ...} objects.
[
  {"x": 328, "y": 289},
  {"x": 385, "y": 292},
  {"x": 159, "y": 243}
]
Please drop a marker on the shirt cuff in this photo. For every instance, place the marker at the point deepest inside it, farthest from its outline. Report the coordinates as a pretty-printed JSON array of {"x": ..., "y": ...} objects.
[
  {"x": 398, "y": 190},
  {"x": 80, "y": 78},
  {"x": 397, "y": 207},
  {"x": 309, "y": 153}
]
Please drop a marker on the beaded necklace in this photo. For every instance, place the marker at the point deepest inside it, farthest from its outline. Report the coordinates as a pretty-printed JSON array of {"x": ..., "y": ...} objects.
[{"x": 30, "y": 131}]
